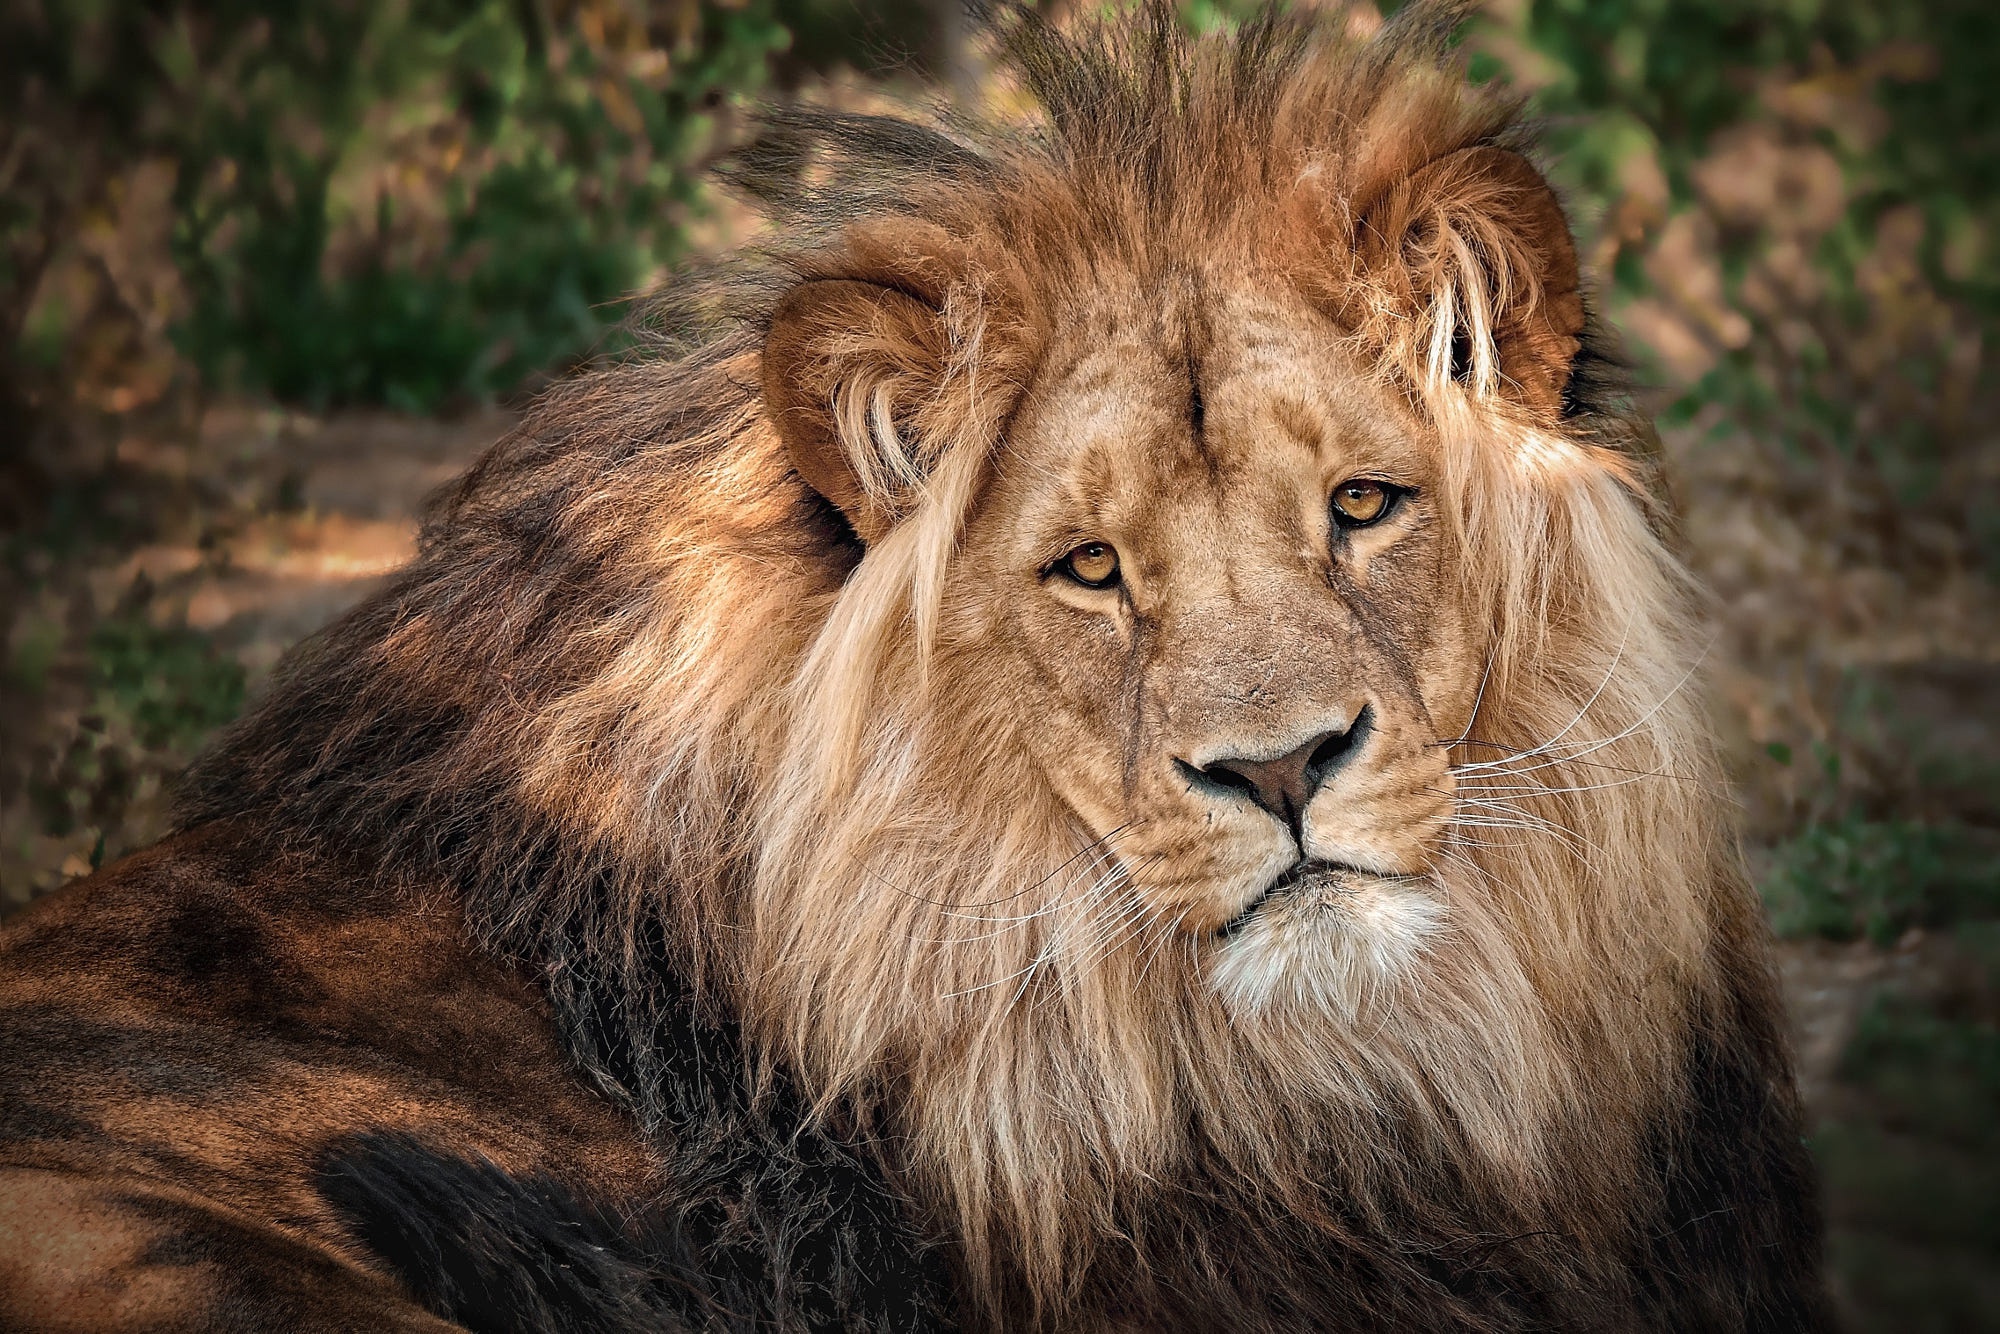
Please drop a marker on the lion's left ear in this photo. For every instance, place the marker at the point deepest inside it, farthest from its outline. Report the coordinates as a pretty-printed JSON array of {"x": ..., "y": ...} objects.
[{"x": 1476, "y": 249}]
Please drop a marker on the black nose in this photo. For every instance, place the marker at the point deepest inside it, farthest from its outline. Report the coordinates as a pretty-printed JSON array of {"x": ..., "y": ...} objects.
[{"x": 1285, "y": 784}]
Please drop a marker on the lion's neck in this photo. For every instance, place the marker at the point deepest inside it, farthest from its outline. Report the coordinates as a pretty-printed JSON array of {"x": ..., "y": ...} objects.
[{"x": 1082, "y": 1107}]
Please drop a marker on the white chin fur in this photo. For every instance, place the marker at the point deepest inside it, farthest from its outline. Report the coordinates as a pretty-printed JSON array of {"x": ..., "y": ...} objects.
[{"x": 1332, "y": 947}]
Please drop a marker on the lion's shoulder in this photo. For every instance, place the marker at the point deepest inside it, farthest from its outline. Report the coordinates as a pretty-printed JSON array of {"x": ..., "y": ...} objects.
[
  {"x": 272, "y": 1066},
  {"x": 220, "y": 1016},
  {"x": 214, "y": 931},
  {"x": 223, "y": 1049}
]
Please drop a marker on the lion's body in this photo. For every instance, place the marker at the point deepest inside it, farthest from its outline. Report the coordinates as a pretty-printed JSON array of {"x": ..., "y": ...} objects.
[
  {"x": 196, "y": 1036},
  {"x": 255, "y": 1091},
  {"x": 743, "y": 875},
  {"x": 258, "y": 1094},
  {"x": 246, "y": 1092}
]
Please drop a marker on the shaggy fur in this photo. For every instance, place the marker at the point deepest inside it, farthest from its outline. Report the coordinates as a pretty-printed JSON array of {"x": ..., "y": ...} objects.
[{"x": 900, "y": 888}]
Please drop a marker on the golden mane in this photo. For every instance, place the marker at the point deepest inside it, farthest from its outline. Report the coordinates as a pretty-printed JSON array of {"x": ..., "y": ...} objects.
[{"x": 649, "y": 704}]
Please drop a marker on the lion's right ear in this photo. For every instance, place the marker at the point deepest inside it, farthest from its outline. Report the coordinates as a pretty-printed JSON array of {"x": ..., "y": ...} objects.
[{"x": 851, "y": 372}]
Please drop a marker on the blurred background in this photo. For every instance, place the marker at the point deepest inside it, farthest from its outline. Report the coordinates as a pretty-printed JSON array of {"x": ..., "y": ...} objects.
[{"x": 269, "y": 273}]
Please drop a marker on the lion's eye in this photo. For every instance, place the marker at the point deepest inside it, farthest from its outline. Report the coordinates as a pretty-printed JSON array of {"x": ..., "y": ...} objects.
[
  {"x": 1094, "y": 565},
  {"x": 1359, "y": 502}
]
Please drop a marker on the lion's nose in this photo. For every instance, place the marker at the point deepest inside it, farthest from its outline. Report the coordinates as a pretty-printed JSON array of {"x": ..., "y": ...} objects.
[{"x": 1284, "y": 784}]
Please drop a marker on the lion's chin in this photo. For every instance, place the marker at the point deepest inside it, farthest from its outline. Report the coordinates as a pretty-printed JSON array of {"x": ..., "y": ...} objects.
[{"x": 1333, "y": 943}]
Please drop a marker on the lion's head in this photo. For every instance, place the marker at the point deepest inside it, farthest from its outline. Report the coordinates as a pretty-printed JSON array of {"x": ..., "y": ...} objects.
[{"x": 1141, "y": 657}]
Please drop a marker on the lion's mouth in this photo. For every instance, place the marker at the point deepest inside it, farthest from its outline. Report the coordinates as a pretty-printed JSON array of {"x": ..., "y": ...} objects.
[{"x": 1309, "y": 873}]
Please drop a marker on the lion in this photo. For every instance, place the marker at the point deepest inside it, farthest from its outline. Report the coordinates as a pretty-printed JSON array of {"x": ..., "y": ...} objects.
[{"x": 1102, "y": 734}]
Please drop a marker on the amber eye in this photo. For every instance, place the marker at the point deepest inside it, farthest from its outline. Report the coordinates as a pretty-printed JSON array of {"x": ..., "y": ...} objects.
[
  {"x": 1359, "y": 502},
  {"x": 1094, "y": 565}
]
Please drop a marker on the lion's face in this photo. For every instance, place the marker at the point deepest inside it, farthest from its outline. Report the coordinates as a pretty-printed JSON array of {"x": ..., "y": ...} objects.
[
  {"x": 1210, "y": 574},
  {"x": 1235, "y": 699}
]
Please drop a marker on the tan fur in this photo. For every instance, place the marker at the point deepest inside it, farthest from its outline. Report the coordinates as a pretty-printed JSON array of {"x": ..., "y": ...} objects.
[
  {"x": 1323, "y": 927},
  {"x": 922, "y": 867}
]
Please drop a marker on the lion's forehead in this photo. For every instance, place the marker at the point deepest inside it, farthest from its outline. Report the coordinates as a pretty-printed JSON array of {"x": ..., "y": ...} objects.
[{"x": 1196, "y": 441}]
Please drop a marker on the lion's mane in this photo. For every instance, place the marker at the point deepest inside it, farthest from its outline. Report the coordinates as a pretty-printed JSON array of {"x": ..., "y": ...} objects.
[{"x": 645, "y": 703}]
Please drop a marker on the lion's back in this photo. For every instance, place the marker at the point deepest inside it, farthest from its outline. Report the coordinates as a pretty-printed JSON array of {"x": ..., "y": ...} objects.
[{"x": 224, "y": 1072}]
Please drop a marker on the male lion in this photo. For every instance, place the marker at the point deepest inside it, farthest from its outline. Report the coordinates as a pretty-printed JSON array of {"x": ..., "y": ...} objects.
[{"x": 1112, "y": 750}]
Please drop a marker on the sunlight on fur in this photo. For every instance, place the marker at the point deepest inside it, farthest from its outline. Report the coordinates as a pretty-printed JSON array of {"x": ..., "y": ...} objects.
[{"x": 958, "y": 840}]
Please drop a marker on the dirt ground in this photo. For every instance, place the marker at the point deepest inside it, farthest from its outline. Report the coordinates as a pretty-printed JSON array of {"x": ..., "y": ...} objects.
[{"x": 167, "y": 579}]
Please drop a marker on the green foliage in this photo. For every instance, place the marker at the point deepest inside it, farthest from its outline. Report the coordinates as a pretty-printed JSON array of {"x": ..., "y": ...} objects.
[
  {"x": 70, "y": 115},
  {"x": 169, "y": 684},
  {"x": 1916, "y": 1212},
  {"x": 1669, "y": 75},
  {"x": 147, "y": 695},
  {"x": 1939, "y": 1076},
  {"x": 400, "y": 201},
  {"x": 1664, "y": 74},
  {"x": 1940, "y": 145},
  {"x": 552, "y": 171},
  {"x": 1847, "y": 877},
  {"x": 36, "y": 644},
  {"x": 1844, "y": 371}
]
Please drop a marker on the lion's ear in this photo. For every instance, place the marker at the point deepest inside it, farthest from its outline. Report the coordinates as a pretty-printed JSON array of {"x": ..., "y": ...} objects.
[
  {"x": 1476, "y": 247},
  {"x": 850, "y": 369}
]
